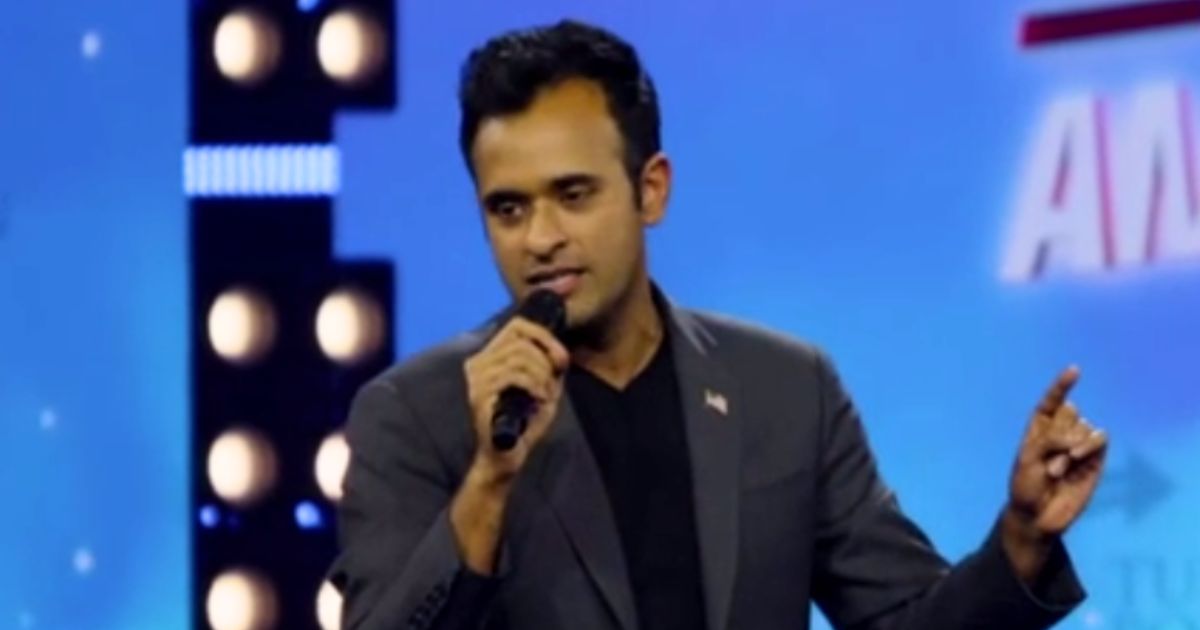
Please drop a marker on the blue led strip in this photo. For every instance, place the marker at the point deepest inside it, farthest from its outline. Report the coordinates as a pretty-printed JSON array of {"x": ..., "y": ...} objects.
[{"x": 272, "y": 170}]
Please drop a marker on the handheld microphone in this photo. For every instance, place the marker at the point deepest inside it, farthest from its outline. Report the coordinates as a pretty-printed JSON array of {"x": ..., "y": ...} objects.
[{"x": 515, "y": 405}]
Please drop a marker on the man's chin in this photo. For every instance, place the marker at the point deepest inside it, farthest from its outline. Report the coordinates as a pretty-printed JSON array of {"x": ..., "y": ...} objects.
[{"x": 584, "y": 324}]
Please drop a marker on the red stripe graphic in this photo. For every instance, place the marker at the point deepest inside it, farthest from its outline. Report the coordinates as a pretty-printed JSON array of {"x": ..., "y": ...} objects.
[{"x": 1050, "y": 28}]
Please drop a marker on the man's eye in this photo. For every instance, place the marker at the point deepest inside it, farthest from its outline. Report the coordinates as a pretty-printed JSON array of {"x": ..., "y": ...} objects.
[
  {"x": 576, "y": 194},
  {"x": 507, "y": 210}
]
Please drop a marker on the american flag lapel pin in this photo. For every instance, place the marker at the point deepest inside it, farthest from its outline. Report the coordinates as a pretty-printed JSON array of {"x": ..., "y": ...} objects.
[{"x": 716, "y": 401}]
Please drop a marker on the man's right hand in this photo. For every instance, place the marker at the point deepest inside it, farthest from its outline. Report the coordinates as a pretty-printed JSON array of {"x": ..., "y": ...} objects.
[{"x": 525, "y": 355}]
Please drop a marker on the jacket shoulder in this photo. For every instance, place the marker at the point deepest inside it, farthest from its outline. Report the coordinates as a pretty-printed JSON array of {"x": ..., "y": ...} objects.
[
  {"x": 432, "y": 369},
  {"x": 728, "y": 333},
  {"x": 421, "y": 398}
]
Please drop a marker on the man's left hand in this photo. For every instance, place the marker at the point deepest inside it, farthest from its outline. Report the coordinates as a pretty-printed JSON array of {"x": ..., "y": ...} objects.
[{"x": 1056, "y": 472}]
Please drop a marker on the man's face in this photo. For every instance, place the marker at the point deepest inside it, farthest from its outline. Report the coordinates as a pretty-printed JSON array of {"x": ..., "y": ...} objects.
[{"x": 558, "y": 204}]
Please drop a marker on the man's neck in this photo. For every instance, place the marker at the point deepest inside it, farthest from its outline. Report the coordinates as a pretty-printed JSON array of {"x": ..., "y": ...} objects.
[{"x": 626, "y": 344}]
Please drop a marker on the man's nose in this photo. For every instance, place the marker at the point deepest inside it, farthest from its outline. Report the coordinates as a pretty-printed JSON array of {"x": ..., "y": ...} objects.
[{"x": 544, "y": 235}]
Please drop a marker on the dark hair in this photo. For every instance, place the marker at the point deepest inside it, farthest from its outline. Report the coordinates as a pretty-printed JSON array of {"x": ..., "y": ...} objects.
[{"x": 505, "y": 74}]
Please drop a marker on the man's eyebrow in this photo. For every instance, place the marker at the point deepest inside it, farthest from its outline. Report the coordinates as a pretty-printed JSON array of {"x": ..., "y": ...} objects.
[
  {"x": 568, "y": 180},
  {"x": 504, "y": 195}
]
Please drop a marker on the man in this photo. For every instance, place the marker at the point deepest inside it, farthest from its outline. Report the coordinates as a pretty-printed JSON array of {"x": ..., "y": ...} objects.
[{"x": 681, "y": 470}]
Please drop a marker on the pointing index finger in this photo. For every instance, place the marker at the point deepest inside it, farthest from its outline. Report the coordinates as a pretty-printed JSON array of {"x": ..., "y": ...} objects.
[{"x": 1057, "y": 394}]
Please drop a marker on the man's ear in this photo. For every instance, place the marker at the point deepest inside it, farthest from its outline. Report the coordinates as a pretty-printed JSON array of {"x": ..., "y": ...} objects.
[{"x": 655, "y": 186}]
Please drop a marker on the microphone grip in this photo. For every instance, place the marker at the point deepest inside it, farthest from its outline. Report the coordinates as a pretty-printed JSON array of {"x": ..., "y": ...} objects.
[
  {"x": 513, "y": 410},
  {"x": 514, "y": 405}
]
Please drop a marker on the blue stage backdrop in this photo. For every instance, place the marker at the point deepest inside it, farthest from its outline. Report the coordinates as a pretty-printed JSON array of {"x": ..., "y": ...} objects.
[{"x": 952, "y": 214}]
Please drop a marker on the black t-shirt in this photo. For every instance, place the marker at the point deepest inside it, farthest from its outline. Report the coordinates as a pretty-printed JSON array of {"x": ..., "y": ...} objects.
[{"x": 638, "y": 439}]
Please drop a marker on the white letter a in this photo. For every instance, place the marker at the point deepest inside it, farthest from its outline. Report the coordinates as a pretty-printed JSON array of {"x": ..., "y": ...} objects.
[{"x": 1063, "y": 203}]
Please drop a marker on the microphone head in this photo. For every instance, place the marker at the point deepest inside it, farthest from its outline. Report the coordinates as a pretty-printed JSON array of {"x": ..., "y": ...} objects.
[{"x": 546, "y": 308}]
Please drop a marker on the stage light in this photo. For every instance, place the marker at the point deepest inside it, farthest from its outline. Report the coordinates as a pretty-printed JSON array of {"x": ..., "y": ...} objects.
[
  {"x": 349, "y": 326},
  {"x": 241, "y": 600},
  {"x": 308, "y": 515},
  {"x": 242, "y": 466},
  {"x": 84, "y": 561},
  {"x": 329, "y": 607},
  {"x": 351, "y": 46},
  {"x": 241, "y": 326},
  {"x": 210, "y": 516},
  {"x": 332, "y": 459},
  {"x": 246, "y": 46},
  {"x": 91, "y": 45}
]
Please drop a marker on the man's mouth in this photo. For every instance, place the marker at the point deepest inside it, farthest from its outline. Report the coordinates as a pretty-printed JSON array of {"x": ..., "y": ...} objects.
[{"x": 561, "y": 281}]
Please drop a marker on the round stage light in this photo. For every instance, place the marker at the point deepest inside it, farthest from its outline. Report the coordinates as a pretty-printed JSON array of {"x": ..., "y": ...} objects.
[
  {"x": 351, "y": 46},
  {"x": 349, "y": 326},
  {"x": 329, "y": 607},
  {"x": 332, "y": 459},
  {"x": 241, "y": 326},
  {"x": 241, "y": 600},
  {"x": 247, "y": 46},
  {"x": 308, "y": 515},
  {"x": 210, "y": 516},
  {"x": 242, "y": 466}
]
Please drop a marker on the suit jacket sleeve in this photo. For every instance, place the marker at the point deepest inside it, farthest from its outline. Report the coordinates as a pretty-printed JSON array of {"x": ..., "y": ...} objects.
[
  {"x": 876, "y": 570},
  {"x": 400, "y": 567}
]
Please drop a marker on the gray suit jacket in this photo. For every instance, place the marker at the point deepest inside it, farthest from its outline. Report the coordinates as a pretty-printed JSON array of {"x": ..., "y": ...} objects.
[{"x": 790, "y": 509}]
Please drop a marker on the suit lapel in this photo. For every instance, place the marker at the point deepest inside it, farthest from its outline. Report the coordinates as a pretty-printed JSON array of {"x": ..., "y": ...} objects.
[
  {"x": 710, "y": 404},
  {"x": 570, "y": 480}
]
